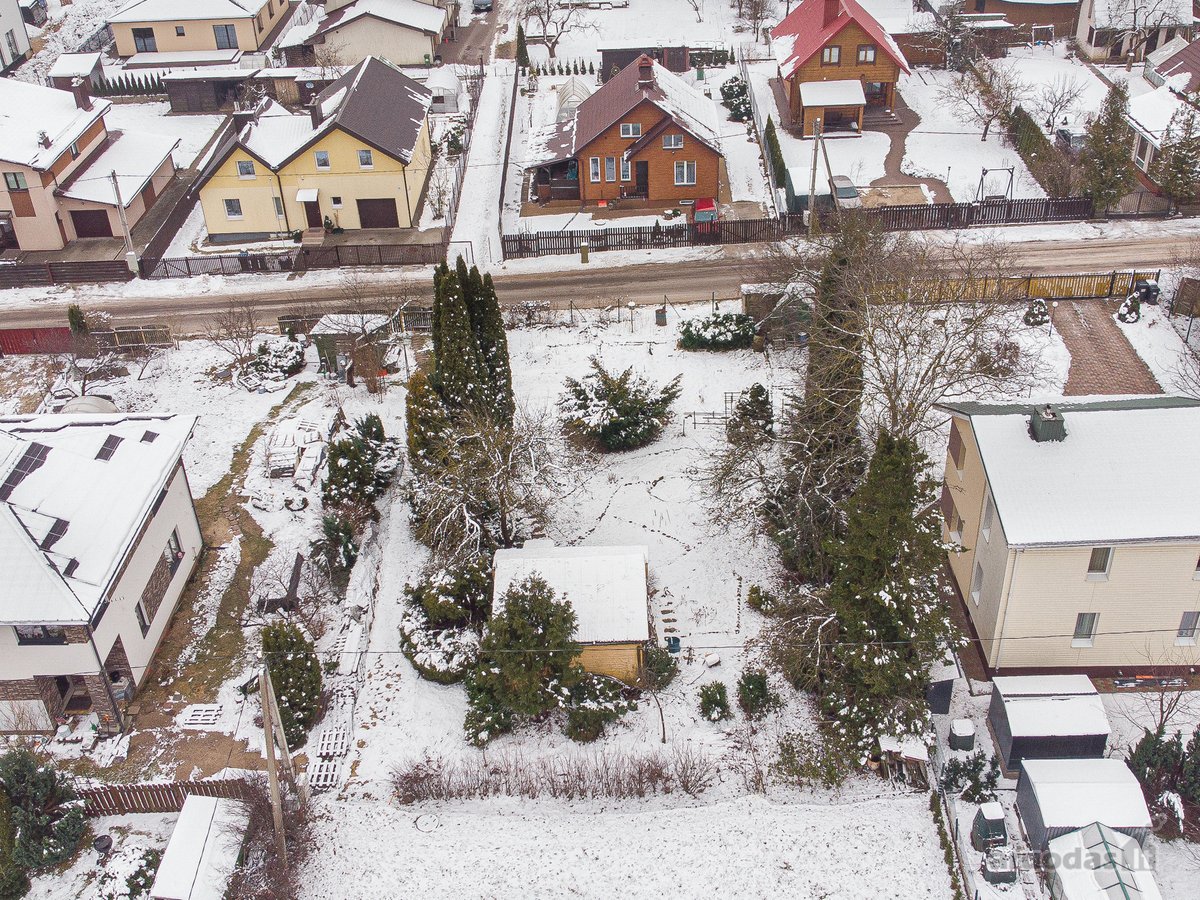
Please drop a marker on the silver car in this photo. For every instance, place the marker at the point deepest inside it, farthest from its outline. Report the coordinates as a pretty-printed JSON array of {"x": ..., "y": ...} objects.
[{"x": 845, "y": 193}]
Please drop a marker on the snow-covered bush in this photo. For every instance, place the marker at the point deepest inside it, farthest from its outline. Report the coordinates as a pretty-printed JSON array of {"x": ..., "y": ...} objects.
[
  {"x": 735, "y": 96},
  {"x": 974, "y": 776},
  {"x": 719, "y": 331},
  {"x": 444, "y": 655},
  {"x": 714, "y": 701},
  {"x": 1130, "y": 311},
  {"x": 594, "y": 702},
  {"x": 659, "y": 668},
  {"x": 361, "y": 465},
  {"x": 755, "y": 696},
  {"x": 277, "y": 356},
  {"x": 128, "y": 874},
  {"x": 1036, "y": 313},
  {"x": 617, "y": 412},
  {"x": 296, "y": 676},
  {"x": 458, "y": 596},
  {"x": 45, "y": 817},
  {"x": 753, "y": 418}
]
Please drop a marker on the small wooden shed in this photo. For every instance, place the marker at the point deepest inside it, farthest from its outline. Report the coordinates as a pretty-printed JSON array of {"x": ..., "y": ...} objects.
[
  {"x": 606, "y": 586},
  {"x": 1047, "y": 717}
]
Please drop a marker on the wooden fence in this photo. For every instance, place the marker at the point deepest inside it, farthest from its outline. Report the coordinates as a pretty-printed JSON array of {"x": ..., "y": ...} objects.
[
  {"x": 744, "y": 231},
  {"x": 121, "y": 799},
  {"x": 40, "y": 274}
]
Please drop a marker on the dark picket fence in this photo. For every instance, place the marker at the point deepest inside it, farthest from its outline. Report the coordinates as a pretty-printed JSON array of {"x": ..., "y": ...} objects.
[
  {"x": 221, "y": 264},
  {"x": 40, "y": 274},
  {"x": 299, "y": 260},
  {"x": 122, "y": 799}
]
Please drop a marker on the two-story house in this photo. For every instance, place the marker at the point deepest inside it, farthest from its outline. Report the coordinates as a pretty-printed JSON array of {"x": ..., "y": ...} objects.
[
  {"x": 14, "y": 39},
  {"x": 1116, "y": 29},
  {"x": 345, "y": 32},
  {"x": 1079, "y": 551},
  {"x": 58, "y": 160},
  {"x": 644, "y": 134},
  {"x": 98, "y": 536},
  {"x": 834, "y": 60},
  {"x": 359, "y": 156},
  {"x": 171, "y": 26}
]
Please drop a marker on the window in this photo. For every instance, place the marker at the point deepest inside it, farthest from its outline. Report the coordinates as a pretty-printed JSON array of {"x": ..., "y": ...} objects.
[
  {"x": 365, "y": 159},
  {"x": 322, "y": 158},
  {"x": 1196, "y": 573},
  {"x": 143, "y": 620},
  {"x": 866, "y": 54},
  {"x": 10, "y": 38},
  {"x": 594, "y": 169},
  {"x": 1099, "y": 563},
  {"x": 75, "y": 150},
  {"x": 148, "y": 437},
  {"x": 233, "y": 209},
  {"x": 831, "y": 56},
  {"x": 111, "y": 443},
  {"x": 985, "y": 526},
  {"x": 1085, "y": 629},
  {"x": 610, "y": 168},
  {"x": 631, "y": 129},
  {"x": 15, "y": 181},
  {"x": 955, "y": 525},
  {"x": 976, "y": 583},
  {"x": 336, "y": 201},
  {"x": 40, "y": 634},
  {"x": 672, "y": 141},
  {"x": 178, "y": 31},
  {"x": 143, "y": 40},
  {"x": 278, "y": 207},
  {"x": 173, "y": 552},
  {"x": 226, "y": 37},
  {"x": 955, "y": 449},
  {"x": 626, "y": 169},
  {"x": 685, "y": 173},
  {"x": 245, "y": 168},
  {"x": 1189, "y": 624}
]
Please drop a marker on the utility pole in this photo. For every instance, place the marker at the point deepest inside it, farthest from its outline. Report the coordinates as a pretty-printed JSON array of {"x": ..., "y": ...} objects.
[
  {"x": 130, "y": 254},
  {"x": 812, "y": 180},
  {"x": 267, "y": 694}
]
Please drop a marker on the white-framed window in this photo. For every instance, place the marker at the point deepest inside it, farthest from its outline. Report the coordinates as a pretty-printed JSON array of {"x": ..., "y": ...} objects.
[
  {"x": 685, "y": 172},
  {"x": 976, "y": 583},
  {"x": 278, "y": 207},
  {"x": 245, "y": 168},
  {"x": 594, "y": 169},
  {"x": 610, "y": 168},
  {"x": 336, "y": 202},
  {"x": 322, "y": 159},
  {"x": 1099, "y": 563},
  {"x": 985, "y": 525},
  {"x": 631, "y": 129},
  {"x": 1189, "y": 624},
  {"x": 233, "y": 208},
  {"x": 831, "y": 56},
  {"x": 366, "y": 160},
  {"x": 1085, "y": 629},
  {"x": 672, "y": 141},
  {"x": 626, "y": 169}
]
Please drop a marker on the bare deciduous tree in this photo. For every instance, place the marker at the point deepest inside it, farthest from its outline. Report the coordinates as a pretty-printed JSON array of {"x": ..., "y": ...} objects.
[
  {"x": 755, "y": 12},
  {"x": 554, "y": 20},
  {"x": 698, "y": 8},
  {"x": 440, "y": 184},
  {"x": 1058, "y": 98},
  {"x": 233, "y": 329},
  {"x": 984, "y": 94}
]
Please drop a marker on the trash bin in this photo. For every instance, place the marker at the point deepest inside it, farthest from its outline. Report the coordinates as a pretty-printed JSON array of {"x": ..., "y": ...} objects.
[
  {"x": 1147, "y": 290},
  {"x": 672, "y": 644},
  {"x": 962, "y": 734},
  {"x": 660, "y": 316}
]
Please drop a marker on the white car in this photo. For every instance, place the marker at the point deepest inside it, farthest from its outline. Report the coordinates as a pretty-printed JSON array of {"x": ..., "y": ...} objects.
[{"x": 845, "y": 194}]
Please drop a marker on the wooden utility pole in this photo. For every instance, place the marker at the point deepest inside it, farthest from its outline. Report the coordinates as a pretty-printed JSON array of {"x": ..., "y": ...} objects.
[
  {"x": 267, "y": 694},
  {"x": 812, "y": 181}
]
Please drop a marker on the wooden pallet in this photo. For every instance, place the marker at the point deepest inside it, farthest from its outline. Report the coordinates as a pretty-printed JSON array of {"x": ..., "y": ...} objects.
[
  {"x": 323, "y": 774},
  {"x": 202, "y": 715},
  {"x": 333, "y": 742}
]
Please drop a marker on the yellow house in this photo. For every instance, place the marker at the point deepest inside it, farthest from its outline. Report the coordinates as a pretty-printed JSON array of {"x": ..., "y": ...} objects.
[
  {"x": 405, "y": 32},
  {"x": 607, "y": 588},
  {"x": 173, "y": 26},
  {"x": 1080, "y": 548},
  {"x": 358, "y": 157}
]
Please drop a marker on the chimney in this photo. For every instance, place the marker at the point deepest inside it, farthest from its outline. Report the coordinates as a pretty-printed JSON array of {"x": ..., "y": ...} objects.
[
  {"x": 645, "y": 73},
  {"x": 832, "y": 8},
  {"x": 1047, "y": 424},
  {"x": 44, "y": 139},
  {"x": 81, "y": 90},
  {"x": 314, "y": 113}
]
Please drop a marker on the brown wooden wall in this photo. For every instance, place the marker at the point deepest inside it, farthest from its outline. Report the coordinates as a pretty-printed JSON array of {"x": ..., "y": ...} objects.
[
  {"x": 60, "y": 165},
  {"x": 849, "y": 39},
  {"x": 662, "y": 162},
  {"x": 1063, "y": 16}
]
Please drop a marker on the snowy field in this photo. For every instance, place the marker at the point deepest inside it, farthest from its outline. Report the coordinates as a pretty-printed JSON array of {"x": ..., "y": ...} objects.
[{"x": 1050, "y": 66}]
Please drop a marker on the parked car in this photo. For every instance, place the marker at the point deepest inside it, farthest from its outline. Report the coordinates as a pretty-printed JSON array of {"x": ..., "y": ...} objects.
[
  {"x": 845, "y": 193},
  {"x": 705, "y": 216},
  {"x": 1070, "y": 140},
  {"x": 481, "y": 6}
]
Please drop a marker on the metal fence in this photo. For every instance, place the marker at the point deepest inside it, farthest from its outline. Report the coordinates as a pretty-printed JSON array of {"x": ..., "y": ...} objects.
[
  {"x": 39, "y": 274},
  {"x": 759, "y": 119}
]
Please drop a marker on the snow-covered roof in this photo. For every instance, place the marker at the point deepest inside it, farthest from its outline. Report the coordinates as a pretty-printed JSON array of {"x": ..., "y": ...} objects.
[
  {"x": 134, "y": 157},
  {"x": 443, "y": 77},
  {"x": 350, "y": 323},
  {"x": 1043, "y": 685},
  {"x": 1157, "y": 57},
  {"x": 1072, "y": 793},
  {"x": 1097, "y": 863},
  {"x": 907, "y": 747},
  {"x": 803, "y": 32},
  {"x": 423, "y": 17},
  {"x": 833, "y": 93},
  {"x": 164, "y": 58},
  {"x": 1099, "y": 486},
  {"x": 902, "y": 16},
  {"x": 73, "y": 65},
  {"x": 1151, "y": 112},
  {"x": 27, "y": 110},
  {"x": 68, "y": 518},
  {"x": 1056, "y": 716},
  {"x": 276, "y": 133},
  {"x": 173, "y": 10},
  {"x": 606, "y": 586},
  {"x": 1121, "y": 13},
  {"x": 203, "y": 850}
]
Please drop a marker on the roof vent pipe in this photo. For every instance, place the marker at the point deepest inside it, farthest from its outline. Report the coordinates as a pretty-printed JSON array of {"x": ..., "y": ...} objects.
[{"x": 1047, "y": 424}]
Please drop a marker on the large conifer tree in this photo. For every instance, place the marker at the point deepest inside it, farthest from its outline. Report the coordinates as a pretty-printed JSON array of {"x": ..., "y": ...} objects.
[
  {"x": 1107, "y": 170},
  {"x": 460, "y": 376}
]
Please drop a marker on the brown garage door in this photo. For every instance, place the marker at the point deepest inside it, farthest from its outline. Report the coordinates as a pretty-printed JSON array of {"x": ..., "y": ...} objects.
[
  {"x": 91, "y": 223},
  {"x": 378, "y": 214}
]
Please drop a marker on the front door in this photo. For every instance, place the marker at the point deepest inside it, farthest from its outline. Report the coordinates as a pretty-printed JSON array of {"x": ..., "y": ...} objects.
[
  {"x": 312, "y": 213},
  {"x": 91, "y": 223},
  {"x": 641, "y": 177}
]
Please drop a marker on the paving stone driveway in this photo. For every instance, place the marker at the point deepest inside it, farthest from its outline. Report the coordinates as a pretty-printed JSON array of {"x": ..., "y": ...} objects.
[{"x": 1102, "y": 359}]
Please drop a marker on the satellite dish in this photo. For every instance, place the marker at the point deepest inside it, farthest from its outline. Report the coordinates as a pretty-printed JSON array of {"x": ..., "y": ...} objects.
[{"x": 308, "y": 84}]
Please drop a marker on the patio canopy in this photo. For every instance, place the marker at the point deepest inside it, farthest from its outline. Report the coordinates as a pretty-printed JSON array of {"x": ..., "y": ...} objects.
[{"x": 833, "y": 93}]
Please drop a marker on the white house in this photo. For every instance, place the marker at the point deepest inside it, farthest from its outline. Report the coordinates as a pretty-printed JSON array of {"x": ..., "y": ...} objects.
[
  {"x": 1113, "y": 29},
  {"x": 98, "y": 535},
  {"x": 14, "y": 40},
  {"x": 203, "y": 850},
  {"x": 404, "y": 32}
]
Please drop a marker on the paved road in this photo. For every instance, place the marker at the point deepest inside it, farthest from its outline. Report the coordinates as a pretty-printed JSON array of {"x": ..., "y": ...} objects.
[{"x": 697, "y": 279}]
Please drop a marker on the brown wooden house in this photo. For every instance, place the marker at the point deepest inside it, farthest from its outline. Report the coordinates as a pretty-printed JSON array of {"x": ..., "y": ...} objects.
[
  {"x": 834, "y": 60},
  {"x": 645, "y": 134}
]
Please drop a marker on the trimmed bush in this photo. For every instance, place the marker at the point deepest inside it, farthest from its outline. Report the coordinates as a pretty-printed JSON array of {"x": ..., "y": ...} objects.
[
  {"x": 735, "y": 97},
  {"x": 442, "y": 655},
  {"x": 296, "y": 676},
  {"x": 719, "y": 331},
  {"x": 714, "y": 701},
  {"x": 617, "y": 412},
  {"x": 1037, "y": 313},
  {"x": 594, "y": 702},
  {"x": 1130, "y": 311},
  {"x": 755, "y": 696},
  {"x": 277, "y": 356},
  {"x": 454, "y": 597},
  {"x": 778, "y": 163},
  {"x": 659, "y": 668}
]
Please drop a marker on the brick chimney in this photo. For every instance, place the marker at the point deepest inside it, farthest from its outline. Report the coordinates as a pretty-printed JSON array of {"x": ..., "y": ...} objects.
[
  {"x": 832, "y": 9},
  {"x": 645, "y": 73},
  {"x": 81, "y": 90},
  {"x": 314, "y": 113}
]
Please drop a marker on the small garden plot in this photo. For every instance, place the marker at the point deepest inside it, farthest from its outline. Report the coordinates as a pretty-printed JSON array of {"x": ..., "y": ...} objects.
[{"x": 1051, "y": 75}]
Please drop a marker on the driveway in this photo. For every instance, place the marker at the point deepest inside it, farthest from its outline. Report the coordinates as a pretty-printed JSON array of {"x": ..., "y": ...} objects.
[{"x": 1102, "y": 359}]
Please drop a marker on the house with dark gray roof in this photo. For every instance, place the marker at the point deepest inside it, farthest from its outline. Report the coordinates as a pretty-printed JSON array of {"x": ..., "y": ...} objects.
[
  {"x": 358, "y": 156},
  {"x": 344, "y": 32}
]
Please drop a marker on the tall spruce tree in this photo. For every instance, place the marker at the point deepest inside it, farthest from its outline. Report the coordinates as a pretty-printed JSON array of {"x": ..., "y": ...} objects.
[
  {"x": 460, "y": 377},
  {"x": 439, "y": 274},
  {"x": 884, "y": 594},
  {"x": 493, "y": 347},
  {"x": 522, "y": 49},
  {"x": 1177, "y": 170},
  {"x": 1107, "y": 170}
]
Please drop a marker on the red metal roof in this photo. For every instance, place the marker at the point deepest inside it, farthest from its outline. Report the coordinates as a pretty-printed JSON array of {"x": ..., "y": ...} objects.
[
  {"x": 805, "y": 28},
  {"x": 1185, "y": 60}
]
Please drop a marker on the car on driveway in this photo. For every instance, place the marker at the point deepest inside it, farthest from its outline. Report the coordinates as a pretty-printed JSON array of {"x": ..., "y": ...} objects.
[
  {"x": 845, "y": 193},
  {"x": 481, "y": 6}
]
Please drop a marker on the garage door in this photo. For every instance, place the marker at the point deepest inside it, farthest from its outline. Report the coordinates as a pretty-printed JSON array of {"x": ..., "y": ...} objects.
[
  {"x": 378, "y": 214},
  {"x": 91, "y": 223}
]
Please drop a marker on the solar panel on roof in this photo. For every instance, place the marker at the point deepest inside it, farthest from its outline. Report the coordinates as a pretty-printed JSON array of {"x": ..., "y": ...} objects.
[
  {"x": 57, "y": 530},
  {"x": 111, "y": 443},
  {"x": 35, "y": 455}
]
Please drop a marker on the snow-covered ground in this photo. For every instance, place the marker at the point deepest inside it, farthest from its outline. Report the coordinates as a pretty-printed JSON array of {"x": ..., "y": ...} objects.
[
  {"x": 70, "y": 24},
  {"x": 1051, "y": 66},
  {"x": 193, "y": 131},
  {"x": 1162, "y": 349},
  {"x": 477, "y": 211}
]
